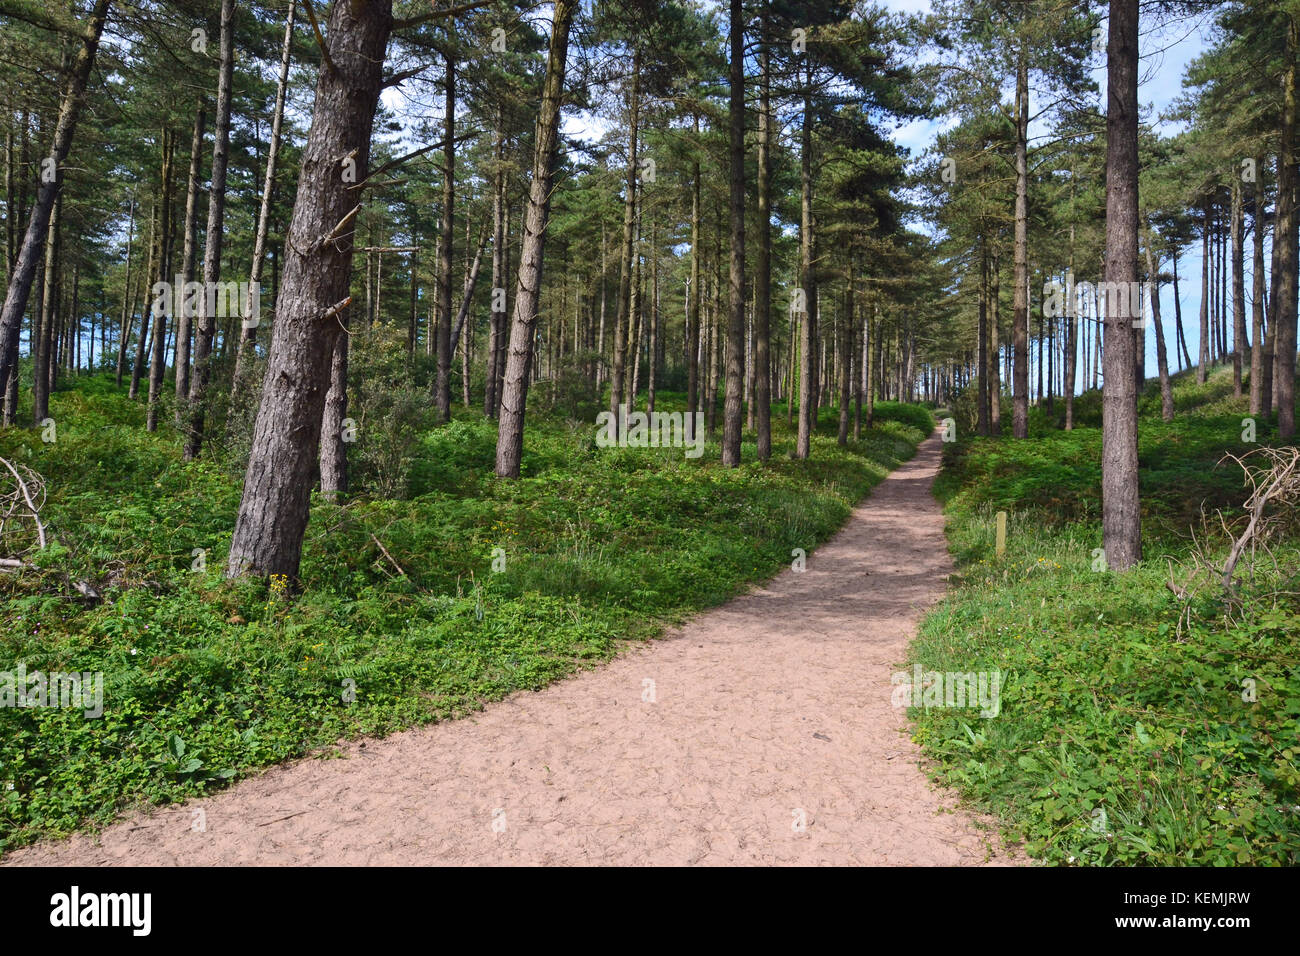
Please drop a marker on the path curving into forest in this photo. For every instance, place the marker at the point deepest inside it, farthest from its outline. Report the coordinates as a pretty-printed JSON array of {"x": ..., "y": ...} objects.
[{"x": 769, "y": 711}]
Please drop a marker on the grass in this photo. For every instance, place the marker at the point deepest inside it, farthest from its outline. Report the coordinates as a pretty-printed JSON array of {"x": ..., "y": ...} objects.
[
  {"x": 207, "y": 680},
  {"x": 1122, "y": 738}
]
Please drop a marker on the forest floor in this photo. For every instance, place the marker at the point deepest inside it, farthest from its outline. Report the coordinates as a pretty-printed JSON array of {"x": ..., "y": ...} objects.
[{"x": 761, "y": 732}]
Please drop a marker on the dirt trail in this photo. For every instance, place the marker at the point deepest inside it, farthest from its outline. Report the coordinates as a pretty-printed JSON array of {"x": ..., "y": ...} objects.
[{"x": 769, "y": 711}]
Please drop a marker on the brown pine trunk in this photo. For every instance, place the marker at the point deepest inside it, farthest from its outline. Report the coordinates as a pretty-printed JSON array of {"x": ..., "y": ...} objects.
[
  {"x": 158, "y": 360},
  {"x": 982, "y": 333},
  {"x": 184, "y": 329},
  {"x": 333, "y": 449},
  {"x": 250, "y": 322},
  {"x": 207, "y": 324},
  {"x": 1257, "y": 290},
  {"x": 1162, "y": 356},
  {"x": 1287, "y": 240},
  {"x": 1020, "y": 304},
  {"x": 1236, "y": 227},
  {"x": 497, "y": 324},
  {"x": 623, "y": 316},
  {"x": 654, "y": 320},
  {"x": 44, "y": 341},
  {"x": 693, "y": 292},
  {"x": 732, "y": 422},
  {"x": 844, "y": 326},
  {"x": 808, "y": 282},
  {"x": 313, "y": 291},
  {"x": 995, "y": 347},
  {"x": 1121, "y": 515},
  {"x": 24, "y": 271},
  {"x": 763, "y": 276},
  {"x": 1203, "y": 366},
  {"x": 510, "y": 434},
  {"x": 155, "y": 254},
  {"x": 1180, "y": 337},
  {"x": 442, "y": 382}
]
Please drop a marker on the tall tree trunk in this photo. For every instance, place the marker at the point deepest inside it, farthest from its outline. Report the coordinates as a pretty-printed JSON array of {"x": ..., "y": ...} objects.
[
  {"x": 155, "y": 255},
  {"x": 622, "y": 317},
  {"x": 497, "y": 323},
  {"x": 808, "y": 285},
  {"x": 1180, "y": 337},
  {"x": 1287, "y": 240},
  {"x": 1203, "y": 366},
  {"x": 442, "y": 382},
  {"x": 249, "y": 325},
  {"x": 1121, "y": 515},
  {"x": 44, "y": 342},
  {"x": 982, "y": 332},
  {"x": 1236, "y": 227},
  {"x": 333, "y": 449},
  {"x": 184, "y": 330},
  {"x": 510, "y": 434},
  {"x": 1020, "y": 305},
  {"x": 1162, "y": 356},
  {"x": 844, "y": 327},
  {"x": 124, "y": 330},
  {"x": 693, "y": 292},
  {"x": 763, "y": 276},
  {"x": 313, "y": 291},
  {"x": 732, "y": 422},
  {"x": 654, "y": 318},
  {"x": 1071, "y": 334},
  {"x": 1257, "y": 290},
  {"x": 995, "y": 346},
  {"x": 207, "y": 326},
  {"x": 158, "y": 361},
  {"x": 467, "y": 297},
  {"x": 24, "y": 271}
]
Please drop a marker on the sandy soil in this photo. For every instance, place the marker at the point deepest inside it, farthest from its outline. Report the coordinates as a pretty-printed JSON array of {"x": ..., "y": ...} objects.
[{"x": 767, "y": 737}]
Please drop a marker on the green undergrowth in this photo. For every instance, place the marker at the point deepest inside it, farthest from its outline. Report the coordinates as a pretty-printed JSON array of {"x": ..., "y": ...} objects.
[
  {"x": 1135, "y": 728},
  {"x": 400, "y": 617}
]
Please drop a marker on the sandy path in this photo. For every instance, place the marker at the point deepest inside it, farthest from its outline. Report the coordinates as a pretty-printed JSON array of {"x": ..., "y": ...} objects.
[{"x": 772, "y": 709}]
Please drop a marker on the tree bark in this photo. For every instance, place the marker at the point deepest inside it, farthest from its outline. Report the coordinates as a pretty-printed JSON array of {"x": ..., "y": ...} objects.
[
  {"x": 212, "y": 247},
  {"x": 24, "y": 271},
  {"x": 808, "y": 283},
  {"x": 1020, "y": 305},
  {"x": 44, "y": 341},
  {"x": 1121, "y": 515},
  {"x": 1257, "y": 290},
  {"x": 763, "y": 275},
  {"x": 1235, "y": 228},
  {"x": 313, "y": 291},
  {"x": 1203, "y": 365},
  {"x": 1162, "y": 355},
  {"x": 497, "y": 325},
  {"x": 184, "y": 326},
  {"x": 250, "y": 323},
  {"x": 510, "y": 434},
  {"x": 1286, "y": 237},
  {"x": 693, "y": 292},
  {"x": 333, "y": 449},
  {"x": 623, "y": 317},
  {"x": 158, "y": 360},
  {"x": 732, "y": 421},
  {"x": 442, "y": 381}
]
